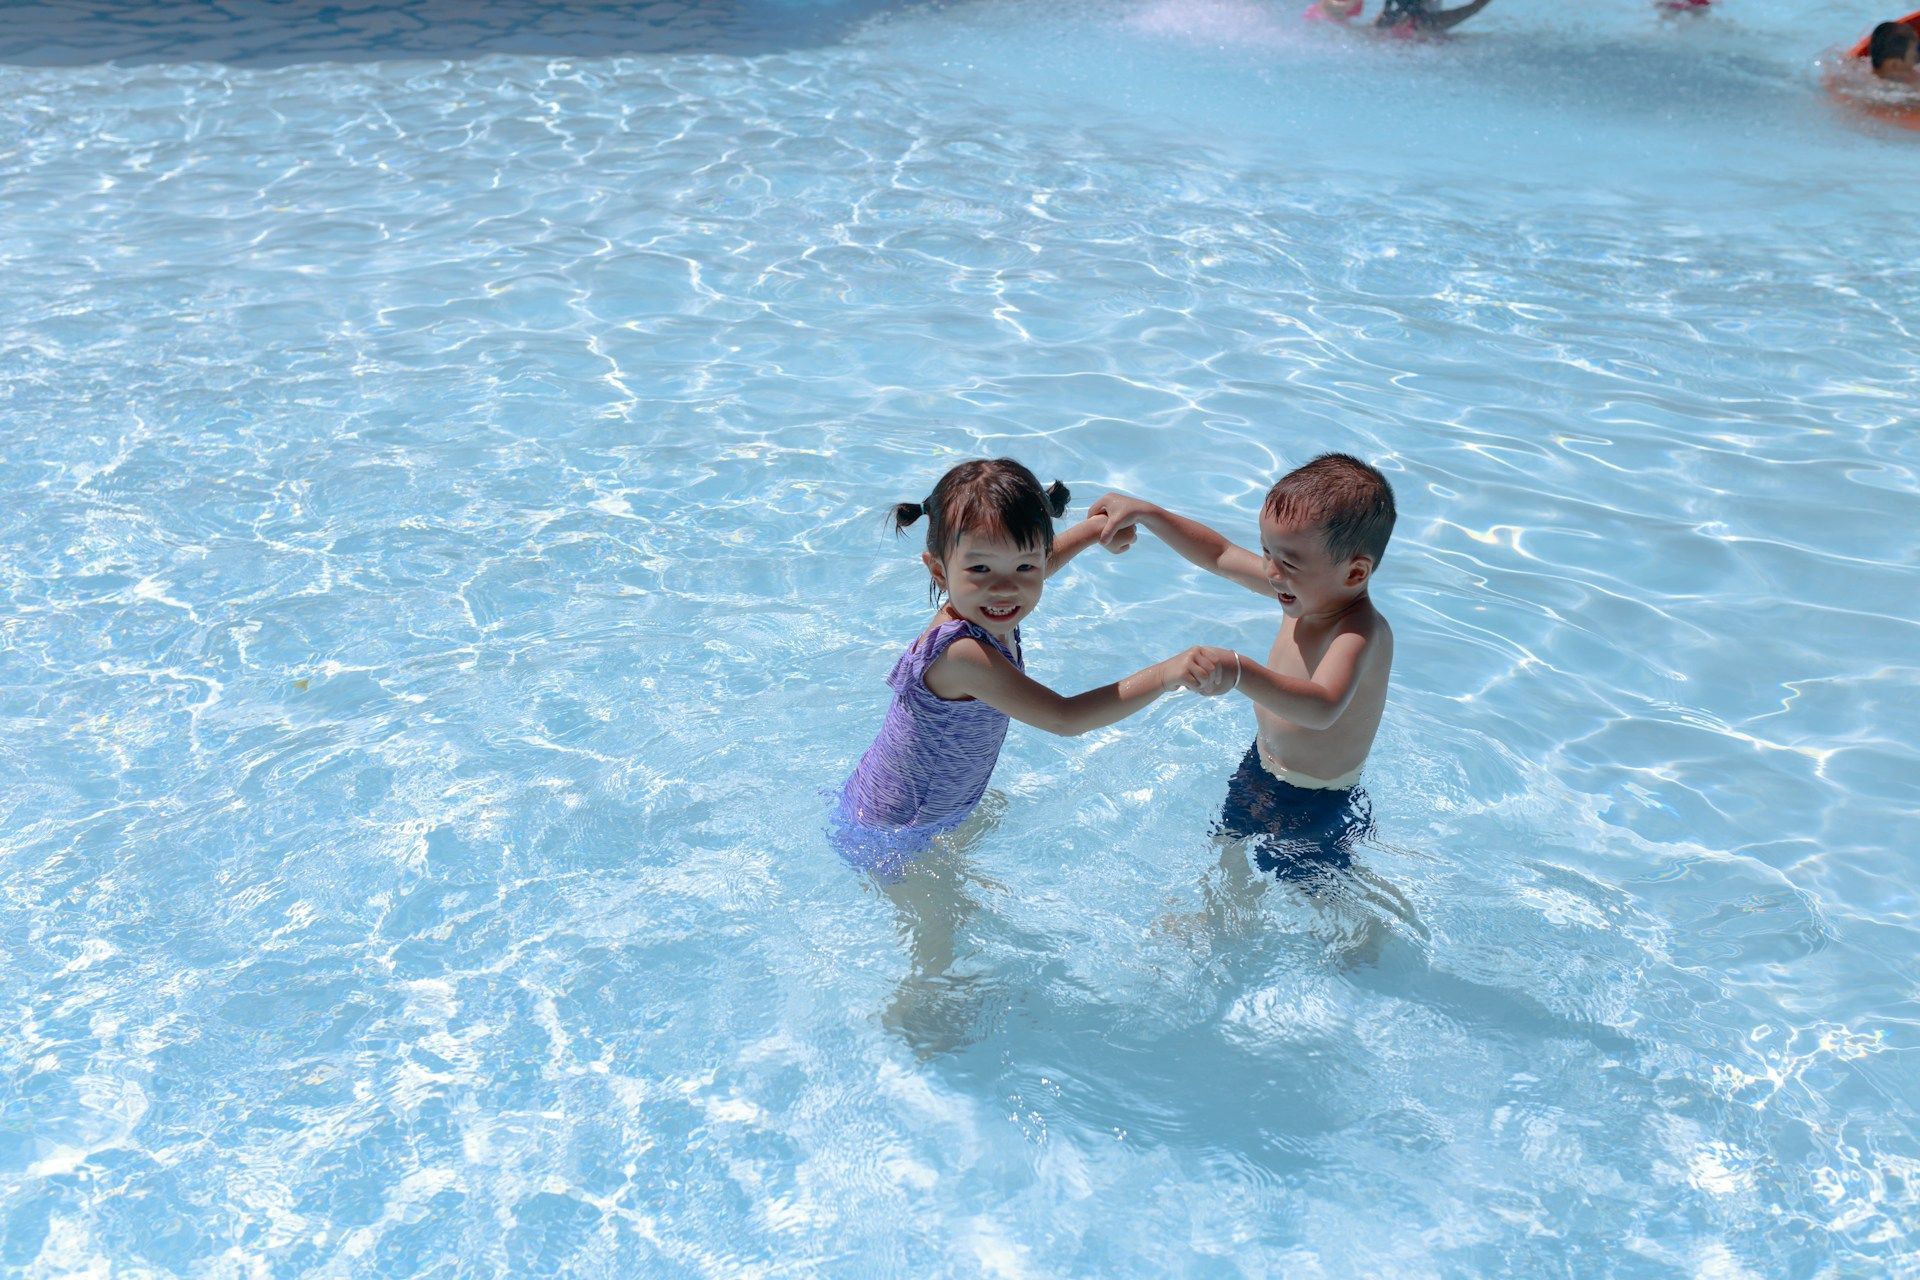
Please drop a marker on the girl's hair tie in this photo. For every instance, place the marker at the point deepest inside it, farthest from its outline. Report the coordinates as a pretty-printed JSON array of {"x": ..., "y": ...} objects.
[
  {"x": 1056, "y": 499},
  {"x": 905, "y": 513}
]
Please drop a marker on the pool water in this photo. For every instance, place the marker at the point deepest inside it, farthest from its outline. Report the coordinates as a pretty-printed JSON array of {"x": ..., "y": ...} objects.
[{"x": 444, "y": 579}]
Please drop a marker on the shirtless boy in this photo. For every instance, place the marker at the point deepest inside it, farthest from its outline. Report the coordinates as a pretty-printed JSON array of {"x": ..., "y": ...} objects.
[
  {"x": 1419, "y": 17},
  {"x": 1895, "y": 52},
  {"x": 1402, "y": 17},
  {"x": 1319, "y": 695}
]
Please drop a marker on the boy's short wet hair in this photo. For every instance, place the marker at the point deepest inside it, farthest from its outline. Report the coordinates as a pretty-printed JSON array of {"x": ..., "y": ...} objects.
[
  {"x": 1351, "y": 502},
  {"x": 1890, "y": 40}
]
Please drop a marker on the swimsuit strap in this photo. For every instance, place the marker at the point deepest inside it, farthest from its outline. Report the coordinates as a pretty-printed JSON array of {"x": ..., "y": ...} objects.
[
  {"x": 909, "y": 673},
  {"x": 936, "y": 643}
]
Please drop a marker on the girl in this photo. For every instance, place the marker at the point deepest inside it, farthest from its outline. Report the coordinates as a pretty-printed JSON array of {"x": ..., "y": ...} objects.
[{"x": 990, "y": 547}]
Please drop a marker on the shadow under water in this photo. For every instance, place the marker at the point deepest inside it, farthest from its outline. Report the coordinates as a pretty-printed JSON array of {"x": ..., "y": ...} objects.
[{"x": 272, "y": 33}]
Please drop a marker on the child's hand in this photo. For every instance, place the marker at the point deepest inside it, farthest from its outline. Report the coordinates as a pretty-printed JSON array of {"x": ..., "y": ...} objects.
[
  {"x": 1211, "y": 672},
  {"x": 1121, "y": 514},
  {"x": 1181, "y": 671},
  {"x": 1206, "y": 671}
]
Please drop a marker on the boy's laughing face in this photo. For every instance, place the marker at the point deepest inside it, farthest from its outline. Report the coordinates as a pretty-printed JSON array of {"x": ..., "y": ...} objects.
[{"x": 1304, "y": 575}]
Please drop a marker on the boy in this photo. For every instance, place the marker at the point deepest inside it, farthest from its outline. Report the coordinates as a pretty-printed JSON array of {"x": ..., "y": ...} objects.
[
  {"x": 1892, "y": 50},
  {"x": 1419, "y": 16},
  {"x": 1319, "y": 696}
]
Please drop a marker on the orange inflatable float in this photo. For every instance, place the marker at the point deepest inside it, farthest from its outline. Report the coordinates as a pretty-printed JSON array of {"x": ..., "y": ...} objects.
[{"x": 1852, "y": 85}]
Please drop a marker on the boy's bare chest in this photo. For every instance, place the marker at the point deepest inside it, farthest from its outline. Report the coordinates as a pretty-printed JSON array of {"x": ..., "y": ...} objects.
[{"x": 1295, "y": 654}]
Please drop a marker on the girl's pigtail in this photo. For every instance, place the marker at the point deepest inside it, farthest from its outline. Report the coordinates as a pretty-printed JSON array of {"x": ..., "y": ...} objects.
[
  {"x": 1057, "y": 499},
  {"x": 905, "y": 513}
]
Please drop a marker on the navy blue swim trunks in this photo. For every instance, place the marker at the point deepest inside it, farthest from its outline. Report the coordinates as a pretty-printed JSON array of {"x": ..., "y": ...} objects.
[{"x": 1296, "y": 832}]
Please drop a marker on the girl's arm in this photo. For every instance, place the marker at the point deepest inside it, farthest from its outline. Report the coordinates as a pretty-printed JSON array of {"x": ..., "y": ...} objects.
[
  {"x": 1193, "y": 540},
  {"x": 970, "y": 669},
  {"x": 1312, "y": 704},
  {"x": 1072, "y": 542}
]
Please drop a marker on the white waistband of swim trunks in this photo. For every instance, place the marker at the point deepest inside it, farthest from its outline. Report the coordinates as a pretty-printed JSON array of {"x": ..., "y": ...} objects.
[{"x": 1345, "y": 782}]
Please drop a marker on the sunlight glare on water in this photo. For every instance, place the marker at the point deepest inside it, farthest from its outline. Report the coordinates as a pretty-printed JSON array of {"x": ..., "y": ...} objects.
[{"x": 445, "y": 581}]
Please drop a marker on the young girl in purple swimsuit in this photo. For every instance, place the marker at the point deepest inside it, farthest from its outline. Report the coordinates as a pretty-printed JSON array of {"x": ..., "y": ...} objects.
[{"x": 990, "y": 547}]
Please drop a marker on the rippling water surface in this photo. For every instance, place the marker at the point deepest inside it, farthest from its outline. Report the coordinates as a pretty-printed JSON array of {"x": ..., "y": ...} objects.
[{"x": 442, "y": 574}]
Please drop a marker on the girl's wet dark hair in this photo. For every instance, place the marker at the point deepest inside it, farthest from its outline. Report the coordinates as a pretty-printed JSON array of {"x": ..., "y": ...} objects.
[{"x": 999, "y": 498}]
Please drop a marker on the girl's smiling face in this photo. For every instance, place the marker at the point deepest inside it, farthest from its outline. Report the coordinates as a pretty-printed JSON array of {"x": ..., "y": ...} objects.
[{"x": 989, "y": 581}]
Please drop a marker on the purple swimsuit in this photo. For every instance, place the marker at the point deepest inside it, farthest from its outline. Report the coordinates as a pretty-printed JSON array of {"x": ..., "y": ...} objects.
[{"x": 929, "y": 766}]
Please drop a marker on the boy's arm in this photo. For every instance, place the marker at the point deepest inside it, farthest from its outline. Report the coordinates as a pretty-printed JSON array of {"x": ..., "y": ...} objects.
[
  {"x": 1072, "y": 542},
  {"x": 1193, "y": 540},
  {"x": 1314, "y": 703},
  {"x": 969, "y": 669}
]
